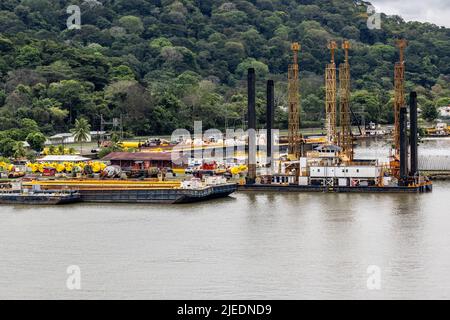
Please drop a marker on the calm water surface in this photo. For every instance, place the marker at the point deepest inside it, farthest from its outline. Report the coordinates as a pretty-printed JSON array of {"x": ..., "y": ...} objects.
[{"x": 263, "y": 246}]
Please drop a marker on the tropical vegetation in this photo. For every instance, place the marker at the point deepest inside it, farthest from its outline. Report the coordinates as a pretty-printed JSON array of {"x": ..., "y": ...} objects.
[{"x": 161, "y": 64}]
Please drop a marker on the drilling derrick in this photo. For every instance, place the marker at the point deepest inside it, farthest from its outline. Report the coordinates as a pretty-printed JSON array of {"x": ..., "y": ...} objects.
[
  {"x": 346, "y": 137},
  {"x": 330, "y": 101},
  {"x": 399, "y": 98},
  {"x": 399, "y": 102},
  {"x": 294, "y": 103}
]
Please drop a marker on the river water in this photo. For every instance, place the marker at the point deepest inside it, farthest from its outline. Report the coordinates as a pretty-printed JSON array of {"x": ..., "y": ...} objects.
[{"x": 248, "y": 246}]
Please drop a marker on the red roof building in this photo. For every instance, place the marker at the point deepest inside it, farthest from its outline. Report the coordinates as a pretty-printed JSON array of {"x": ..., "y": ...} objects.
[{"x": 140, "y": 160}]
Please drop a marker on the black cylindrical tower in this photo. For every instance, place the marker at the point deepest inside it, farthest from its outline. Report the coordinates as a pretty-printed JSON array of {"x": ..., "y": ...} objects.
[
  {"x": 403, "y": 147},
  {"x": 413, "y": 133},
  {"x": 270, "y": 118},
  {"x": 251, "y": 87},
  {"x": 251, "y": 118}
]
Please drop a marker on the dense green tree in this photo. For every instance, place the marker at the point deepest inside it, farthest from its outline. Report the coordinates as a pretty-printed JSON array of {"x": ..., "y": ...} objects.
[
  {"x": 162, "y": 64},
  {"x": 7, "y": 146},
  {"x": 19, "y": 150},
  {"x": 28, "y": 56},
  {"x": 429, "y": 111},
  {"x": 132, "y": 24},
  {"x": 36, "y": 140},
  {"x": 260, "y": 67},
  {"x": 121, "y": 73}
]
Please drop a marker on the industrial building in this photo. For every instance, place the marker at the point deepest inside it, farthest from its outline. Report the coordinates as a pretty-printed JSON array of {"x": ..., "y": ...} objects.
[
  {"x": 133, "y": 161},
  {"x": 331, "y": 166}
]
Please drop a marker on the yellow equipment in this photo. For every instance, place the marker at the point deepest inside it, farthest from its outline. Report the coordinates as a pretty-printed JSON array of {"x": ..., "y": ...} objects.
[
  {"x": 130, "y": 144},
  {"x": 103, "y": 184}
]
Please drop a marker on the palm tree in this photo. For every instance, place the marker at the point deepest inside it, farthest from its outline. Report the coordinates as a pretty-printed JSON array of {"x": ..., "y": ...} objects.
[{"x": 81, "y": 131}]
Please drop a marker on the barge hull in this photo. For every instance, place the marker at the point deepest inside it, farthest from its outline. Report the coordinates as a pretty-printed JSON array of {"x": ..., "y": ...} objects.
[
  {"x": 157, "y": 196},
  {"x": 38, "y": 200},
  {"x": 336, "y": 189}
]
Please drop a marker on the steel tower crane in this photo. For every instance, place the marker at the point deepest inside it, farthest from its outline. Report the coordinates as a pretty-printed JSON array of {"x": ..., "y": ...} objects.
[
  {"x": 346, "y": 137},
  {"x": 294, "y": 105},
  {"x": 399, "y": 103},
  {"x": 330, "y": 100},
  {"x": 399, "y": 98}
]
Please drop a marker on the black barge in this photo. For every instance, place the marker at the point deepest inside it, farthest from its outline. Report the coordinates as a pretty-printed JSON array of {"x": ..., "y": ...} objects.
[
  {"x": 131, "y": 191},
  {"x": 169, "y": 196},
  {"x": 39, "y": 197},
  {"x": 422, "y": 188}
]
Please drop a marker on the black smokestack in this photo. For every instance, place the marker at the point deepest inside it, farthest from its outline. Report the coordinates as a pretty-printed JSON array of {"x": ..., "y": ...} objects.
[
  {"x": 413, "y": 133},
  {"x": 251, "y": 87},
  {"x": 270, "y": 118},
  {"x": 251, "y": 81},
  {"x": 403, "y": 147}
]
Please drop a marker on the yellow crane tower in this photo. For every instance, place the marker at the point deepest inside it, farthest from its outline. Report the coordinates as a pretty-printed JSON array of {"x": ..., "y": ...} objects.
[
  {"x": 294, "y": 105},
  {"x": 346, "y": 137},
  {"x": 330, "y": 100},
  {"x": 399, "y": 97},
  {"x": 399, "y": 102}
]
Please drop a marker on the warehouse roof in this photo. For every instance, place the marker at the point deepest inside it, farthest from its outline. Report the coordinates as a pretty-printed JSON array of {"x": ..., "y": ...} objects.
[
  {"x": 328, "y": 148},
  {"x": 66, "y": 158},
  {"x": 138, "y": 156}
]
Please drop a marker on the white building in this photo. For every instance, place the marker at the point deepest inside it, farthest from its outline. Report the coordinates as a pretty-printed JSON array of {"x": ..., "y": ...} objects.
[
  {"x": 345, "y": 175},
  {"x": 444, "y": 112},
  {"x": 68, "y": 138},
  {"x": 65, "y": 158}
]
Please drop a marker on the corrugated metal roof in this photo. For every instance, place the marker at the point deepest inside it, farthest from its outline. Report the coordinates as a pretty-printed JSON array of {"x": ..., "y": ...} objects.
[
  {"x": 434, "y": 163},
  {"x": 329, "y": 147},
  {"x": 65, "y": 158},
  {"x": 138, "y": 156}
]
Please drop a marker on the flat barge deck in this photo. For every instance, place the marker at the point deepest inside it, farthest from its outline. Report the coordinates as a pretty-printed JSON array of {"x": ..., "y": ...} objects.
[
  {"x": 427, "y": 187},
  {"x": 157, "y": 196},
  {"x": 137, "y": 192},
  {"x": 39, "y": 198}
]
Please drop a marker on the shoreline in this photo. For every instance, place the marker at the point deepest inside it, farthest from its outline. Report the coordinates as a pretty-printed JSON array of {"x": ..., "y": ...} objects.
[{"x": 438, "y": 175}]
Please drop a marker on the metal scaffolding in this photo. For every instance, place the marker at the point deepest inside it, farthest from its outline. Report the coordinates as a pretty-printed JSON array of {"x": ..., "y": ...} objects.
[
  {"x": 346, "y": 137},
  {"x": 330, "y": 100},
  {"x": 294, "y": 105}
]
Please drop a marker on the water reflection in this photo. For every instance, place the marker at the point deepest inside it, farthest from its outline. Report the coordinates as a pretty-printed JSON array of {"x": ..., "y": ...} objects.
[{"x": 251, "y": 245}]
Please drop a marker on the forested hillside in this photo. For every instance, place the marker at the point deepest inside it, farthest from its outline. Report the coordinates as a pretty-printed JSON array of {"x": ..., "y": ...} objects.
[{"x": 164, "y": 63}]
